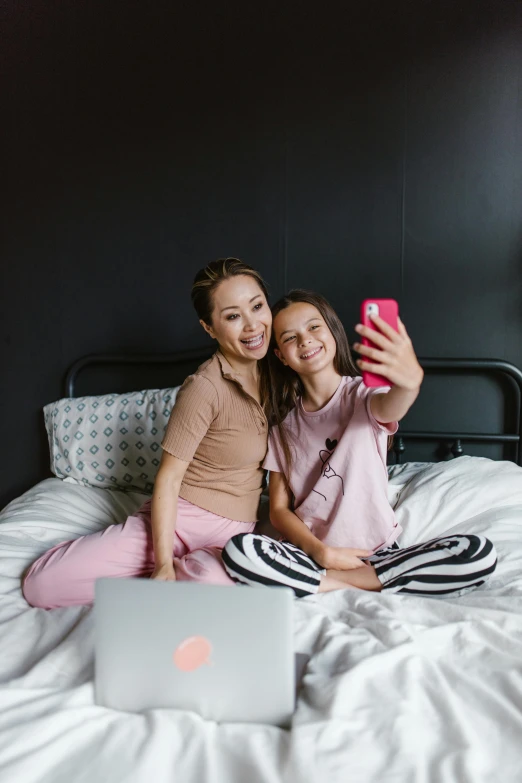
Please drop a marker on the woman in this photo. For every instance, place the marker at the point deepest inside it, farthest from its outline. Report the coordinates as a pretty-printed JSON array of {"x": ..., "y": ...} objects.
[{"x": 209, "y": 482}]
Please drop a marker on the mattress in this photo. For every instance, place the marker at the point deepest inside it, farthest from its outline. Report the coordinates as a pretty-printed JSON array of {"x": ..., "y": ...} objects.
[{"x": 396, "y": 688}]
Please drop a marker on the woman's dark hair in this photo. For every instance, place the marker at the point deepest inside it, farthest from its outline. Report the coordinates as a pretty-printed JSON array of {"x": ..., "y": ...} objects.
[
  {"x": 206, "y": 283},
  {"x": 285, "y": 386},
  {"x": 209, "y": 278}
]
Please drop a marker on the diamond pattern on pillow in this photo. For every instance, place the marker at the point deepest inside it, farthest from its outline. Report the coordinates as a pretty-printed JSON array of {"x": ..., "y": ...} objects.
[{"x": 110, "y": 441}]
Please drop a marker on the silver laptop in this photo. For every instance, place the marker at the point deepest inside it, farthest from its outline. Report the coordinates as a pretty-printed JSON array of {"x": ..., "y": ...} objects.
[{"x": 223, "y": 652}]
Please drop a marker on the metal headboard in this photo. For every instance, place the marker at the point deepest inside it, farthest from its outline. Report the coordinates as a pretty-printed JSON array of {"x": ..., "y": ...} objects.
[
  {"x": 453, "y": 440},
  {"x": 195, "y": 355}
]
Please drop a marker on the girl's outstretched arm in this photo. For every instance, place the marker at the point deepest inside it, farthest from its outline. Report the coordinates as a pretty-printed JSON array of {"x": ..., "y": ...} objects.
[
  {"x": 294, "y": 530},
  {"x": 395, "y": 359}
]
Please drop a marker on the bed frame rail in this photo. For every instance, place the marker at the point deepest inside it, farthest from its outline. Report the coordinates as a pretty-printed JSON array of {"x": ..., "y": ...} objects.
[{"x": 451, "y": 441}]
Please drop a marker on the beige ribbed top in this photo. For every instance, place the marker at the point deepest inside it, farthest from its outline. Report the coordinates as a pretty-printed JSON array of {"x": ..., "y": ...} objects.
[{"x": 222, "y": 431}]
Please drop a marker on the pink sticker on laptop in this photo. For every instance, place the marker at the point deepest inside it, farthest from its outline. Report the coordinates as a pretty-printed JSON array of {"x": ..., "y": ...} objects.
[{"x": 192, "y": 653}]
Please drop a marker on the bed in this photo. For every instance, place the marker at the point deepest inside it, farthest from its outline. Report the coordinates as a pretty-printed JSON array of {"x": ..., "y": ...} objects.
[{"x": 395, "y": 688}]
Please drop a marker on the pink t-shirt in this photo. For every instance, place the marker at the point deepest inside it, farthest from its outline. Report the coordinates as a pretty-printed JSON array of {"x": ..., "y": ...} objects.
[{"x": 338, "y": 475}]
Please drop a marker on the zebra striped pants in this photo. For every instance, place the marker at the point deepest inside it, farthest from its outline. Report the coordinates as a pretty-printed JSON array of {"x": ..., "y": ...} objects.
[{"x": 442, "y": 566}]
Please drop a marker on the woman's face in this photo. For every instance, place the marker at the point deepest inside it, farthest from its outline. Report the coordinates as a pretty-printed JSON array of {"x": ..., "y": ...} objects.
[
  {"x": 241, "y": 319},
  {"x": 304, "y": 341}
]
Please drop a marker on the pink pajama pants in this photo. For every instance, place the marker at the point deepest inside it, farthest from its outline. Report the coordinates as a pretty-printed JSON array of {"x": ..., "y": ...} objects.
[{"x": 65, "y": 575}]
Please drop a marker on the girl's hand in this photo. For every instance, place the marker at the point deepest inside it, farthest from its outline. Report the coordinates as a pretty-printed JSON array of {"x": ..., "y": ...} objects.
[
  {"x": 165, "y": 573},
  {"x": 342, "y": 558},
  {"x": 393, "y": 355}
]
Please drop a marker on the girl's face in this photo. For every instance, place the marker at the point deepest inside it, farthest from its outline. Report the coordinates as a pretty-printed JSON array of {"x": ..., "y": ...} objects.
[
  {"x": 304, "y": 341},
  {"x": 241, "y": 319}
]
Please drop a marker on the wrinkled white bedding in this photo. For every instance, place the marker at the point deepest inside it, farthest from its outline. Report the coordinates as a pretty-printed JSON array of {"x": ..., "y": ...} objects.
[{"x": 397, "y": 688}]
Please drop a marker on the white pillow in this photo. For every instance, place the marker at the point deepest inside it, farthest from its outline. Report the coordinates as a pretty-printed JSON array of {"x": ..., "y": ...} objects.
[
  {"x": 461, "y": 495},
  {"x": 399, "y": 477},
  {"x": 110, "y": 441}
]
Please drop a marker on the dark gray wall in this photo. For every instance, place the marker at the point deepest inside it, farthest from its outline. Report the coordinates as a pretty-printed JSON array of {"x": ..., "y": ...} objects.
[{"x": 373, "y": 150}]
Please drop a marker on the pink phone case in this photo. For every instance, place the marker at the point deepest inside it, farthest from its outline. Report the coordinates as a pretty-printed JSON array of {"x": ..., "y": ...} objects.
[{"x": 389, "y": 312}]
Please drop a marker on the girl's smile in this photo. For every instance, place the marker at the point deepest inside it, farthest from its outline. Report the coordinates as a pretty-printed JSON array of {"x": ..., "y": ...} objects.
[{"x": 312, "y": 353}]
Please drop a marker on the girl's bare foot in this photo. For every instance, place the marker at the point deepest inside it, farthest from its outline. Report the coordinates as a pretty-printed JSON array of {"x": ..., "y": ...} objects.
[{"x": 363, "y": 578}]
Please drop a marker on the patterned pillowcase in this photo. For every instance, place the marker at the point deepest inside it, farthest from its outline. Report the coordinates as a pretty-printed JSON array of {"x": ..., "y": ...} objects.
[{"x": 110, "y": 441}]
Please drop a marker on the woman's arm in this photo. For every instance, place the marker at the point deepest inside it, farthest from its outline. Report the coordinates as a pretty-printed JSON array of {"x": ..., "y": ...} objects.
[
  {"x": 163, "y": 513},
  {"x": 192, "y": 414},
  {"x": 294, "y": 530},
  {"x": 394, "y": 358}
]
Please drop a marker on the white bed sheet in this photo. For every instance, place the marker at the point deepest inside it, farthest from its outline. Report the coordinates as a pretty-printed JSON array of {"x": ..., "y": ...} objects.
[{"x": 397, "y": 688}]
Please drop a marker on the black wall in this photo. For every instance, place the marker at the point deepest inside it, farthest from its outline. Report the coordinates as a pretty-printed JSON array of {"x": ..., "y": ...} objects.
[{"x": 358, "y": 149}]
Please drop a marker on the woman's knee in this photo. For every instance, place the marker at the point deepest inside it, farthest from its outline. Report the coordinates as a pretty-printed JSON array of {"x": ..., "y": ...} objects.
[
  {"x": 43, "y": 581},
  {"x": 202, "y": 565},
  {"x": 37, "y": 587}
]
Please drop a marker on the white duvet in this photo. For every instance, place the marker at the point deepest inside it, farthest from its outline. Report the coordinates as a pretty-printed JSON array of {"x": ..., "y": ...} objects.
[{"x": 397, "y": 688}]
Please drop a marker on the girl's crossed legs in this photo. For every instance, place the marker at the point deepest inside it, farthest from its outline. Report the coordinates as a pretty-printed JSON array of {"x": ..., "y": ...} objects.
[
  {"x": 451, "y": 564},
  {"x": 65, "y": 575}
]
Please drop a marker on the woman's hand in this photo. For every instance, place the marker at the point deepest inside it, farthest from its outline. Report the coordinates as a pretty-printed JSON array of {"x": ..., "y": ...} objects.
[
  {"x": 393, "y": 355},
  {"x": 165, "y": 573},
  {"x": 341, "y": 558}
]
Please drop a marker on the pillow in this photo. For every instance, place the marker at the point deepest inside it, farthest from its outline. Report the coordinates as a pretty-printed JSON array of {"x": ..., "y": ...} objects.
[
  {"x": 464, "y": 495},
  {"x": 399, "y": 477},
  {"x": 110, "y": 441}
]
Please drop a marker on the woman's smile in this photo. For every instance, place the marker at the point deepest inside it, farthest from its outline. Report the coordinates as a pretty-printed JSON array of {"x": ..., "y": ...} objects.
[{"x": 253, "y": 343}]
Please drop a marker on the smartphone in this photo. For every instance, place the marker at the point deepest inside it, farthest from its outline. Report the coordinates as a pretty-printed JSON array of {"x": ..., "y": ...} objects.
[{"x": 388, "y": 310}]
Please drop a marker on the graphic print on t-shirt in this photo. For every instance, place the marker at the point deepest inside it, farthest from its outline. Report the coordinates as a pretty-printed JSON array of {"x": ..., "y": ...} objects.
[{"x": 327, "y": 471}]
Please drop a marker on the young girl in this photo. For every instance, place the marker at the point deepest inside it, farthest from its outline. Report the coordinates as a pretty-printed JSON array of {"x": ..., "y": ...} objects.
[{"x": 327, "y": 461}]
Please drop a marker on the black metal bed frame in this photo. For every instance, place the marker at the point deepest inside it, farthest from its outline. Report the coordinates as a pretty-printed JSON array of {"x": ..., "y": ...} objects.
[
  {"x": 455, "y": 439},
  {"x": 451, "y": 440},
  {"x": 197, "y": 354}
]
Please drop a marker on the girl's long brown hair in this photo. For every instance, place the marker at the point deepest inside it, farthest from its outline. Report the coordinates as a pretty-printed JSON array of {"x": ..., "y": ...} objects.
[{"x": 285, "y": 386}]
